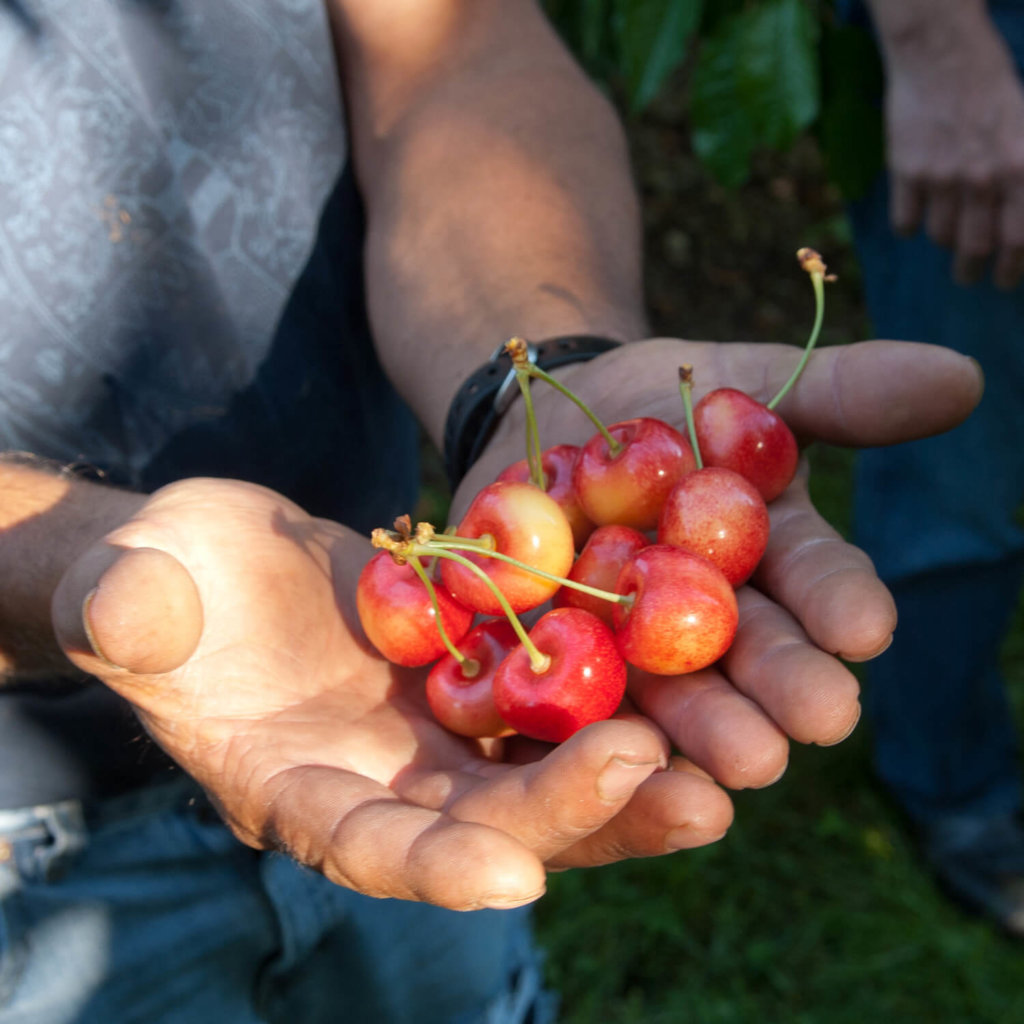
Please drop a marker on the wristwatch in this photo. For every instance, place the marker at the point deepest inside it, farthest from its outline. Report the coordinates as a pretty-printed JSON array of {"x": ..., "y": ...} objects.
[{"x": 489, "y": 391}]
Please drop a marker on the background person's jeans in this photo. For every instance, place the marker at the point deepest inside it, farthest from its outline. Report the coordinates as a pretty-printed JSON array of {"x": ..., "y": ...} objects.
[
  {"x": 940, "y": 519},
  {"x": 151, "y": 912}
]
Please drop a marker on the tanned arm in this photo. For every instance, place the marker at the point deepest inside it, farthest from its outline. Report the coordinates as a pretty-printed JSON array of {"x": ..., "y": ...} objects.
[{"x": 497, "y": 184}]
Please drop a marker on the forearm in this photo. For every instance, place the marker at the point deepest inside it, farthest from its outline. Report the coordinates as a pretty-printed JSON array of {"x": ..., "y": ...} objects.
[
  {"x": 499, "y": 197},
  {"x": 935, "y": 33},
  {"x": 46, "y": 520}
]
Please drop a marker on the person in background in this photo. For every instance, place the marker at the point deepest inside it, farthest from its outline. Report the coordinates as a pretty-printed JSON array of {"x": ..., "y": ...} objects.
[
  {"x": 941, "y": 244},
  {"x": 241, "y": 245}
]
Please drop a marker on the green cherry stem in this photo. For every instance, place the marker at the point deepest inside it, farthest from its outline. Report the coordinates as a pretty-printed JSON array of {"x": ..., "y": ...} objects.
[
  {"x": 469, "y": 666},
  {"x": 448, "y": 543},
  {"x": 538, "y": 662},
  {"x": 534, "y": 454},
  {"x": 815, "y": 267},
  {"x": 686, "y": 391},
  {"x": 613, "y": 446},
  {"x": 525, "y": 370}
]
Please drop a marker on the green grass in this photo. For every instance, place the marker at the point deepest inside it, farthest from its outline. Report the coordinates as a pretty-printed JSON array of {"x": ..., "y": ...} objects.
[{"x": 812, "y": 909}]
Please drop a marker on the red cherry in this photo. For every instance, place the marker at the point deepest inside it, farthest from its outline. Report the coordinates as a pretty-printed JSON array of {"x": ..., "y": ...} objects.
[
  {"x": 523, "y": 523},
  {"x": 744, "y": 435},
  {"x": 684, "y": 612},
  {"x": 598, "y": 565},
  {"x": 630, "y": 486},
  {"x": 397, "y": 615},
  {"x": 558, "y": 463},
  {"x": 464, "y": 704},
  {"x": 584, "y": 682},
  {"x": 721, "y": 515}
]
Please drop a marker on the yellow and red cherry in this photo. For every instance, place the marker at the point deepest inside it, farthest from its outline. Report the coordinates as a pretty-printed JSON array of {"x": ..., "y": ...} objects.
[
  {"x": 582, "y": 678},
  {"x": 557, "y": 463},
  {"x": 598, "y": 565},
  {"x": 720, "y": 515},
  {"x": 460, "y": 693},
  {"x": 683, "y": 615},
  {"x": 519, "y": 521},
  {"x": 398, "y": 616},
  {"x": 628, "y": 484},
  {"x": 738, "y": 432}
]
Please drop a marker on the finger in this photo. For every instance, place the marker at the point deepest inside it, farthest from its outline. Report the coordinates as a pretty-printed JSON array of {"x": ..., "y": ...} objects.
[
  {"x": 552, "y": 804},
  {"x": 880, "y": 392},
  {"x": 136, "y": 609},
  {"x": 828, "y": 585},
  {"x": 358, "y": 834},
  {"x": 941, "y": 214},
  {"x": 677, "y": 809},
  {"x": 810, "y": 695},
  {"x": 906, "y": 205},
  {"x": 716, "y": 727},
  {"x": 1009, "y": 267},
  {"x": 975, "y": 234}
]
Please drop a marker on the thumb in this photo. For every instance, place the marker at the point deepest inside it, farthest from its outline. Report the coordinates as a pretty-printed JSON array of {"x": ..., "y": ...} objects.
[{"x": 136, "y": 609}]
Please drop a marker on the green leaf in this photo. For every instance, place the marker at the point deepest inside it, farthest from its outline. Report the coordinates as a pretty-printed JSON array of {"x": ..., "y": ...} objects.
[
  {"x": 653, "y": 38},
  {"x": 851, "y": 130},
  {"x": 755, "y": 84}
]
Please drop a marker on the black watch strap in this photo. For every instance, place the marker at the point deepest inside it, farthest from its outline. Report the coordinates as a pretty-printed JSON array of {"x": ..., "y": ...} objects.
[{"x": 490, "y": 390}]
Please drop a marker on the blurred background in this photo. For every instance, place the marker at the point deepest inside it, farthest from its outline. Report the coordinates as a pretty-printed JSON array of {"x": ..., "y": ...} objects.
[{"x": 750, "y": 122}]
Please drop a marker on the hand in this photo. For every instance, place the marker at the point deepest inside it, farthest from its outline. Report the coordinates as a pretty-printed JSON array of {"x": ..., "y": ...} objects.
[
  {"x": 226, "y": 615},
  {"x": 815, "y": 600},
  {"x": 955, "y": 136}
]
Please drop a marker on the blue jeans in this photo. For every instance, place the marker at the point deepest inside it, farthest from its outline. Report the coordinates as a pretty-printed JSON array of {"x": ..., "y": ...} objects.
[
  {"x": 148, "y": 910},
  {"x": 940, "y": 519}
]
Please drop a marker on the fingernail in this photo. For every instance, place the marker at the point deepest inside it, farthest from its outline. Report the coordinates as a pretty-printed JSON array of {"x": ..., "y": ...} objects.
[
  {"x": 847, "y": 734},
  {"x": 620, "y": 778},
  {"x": 856, "y": 659},
  {"x": 507, "y": 901},
  {"x": 685, "y": 837},
  {"x": 89, "y": 634}
]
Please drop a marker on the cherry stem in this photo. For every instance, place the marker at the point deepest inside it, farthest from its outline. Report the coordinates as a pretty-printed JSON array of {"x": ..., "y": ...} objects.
[
  {"x": 538, "y": 662},
  {"x": 686, "y": 391},
  {"x": 417, "y": 567},
  {"x": 519, "y": 351},
  {"x": 815, "y": 267},
  {"x": 455, "y": 544},
  {"x": 534, "y": 454}
]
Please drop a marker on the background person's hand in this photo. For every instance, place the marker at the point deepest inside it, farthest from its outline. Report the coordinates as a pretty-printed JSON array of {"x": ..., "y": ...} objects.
[{"x": 955, "y": 139}]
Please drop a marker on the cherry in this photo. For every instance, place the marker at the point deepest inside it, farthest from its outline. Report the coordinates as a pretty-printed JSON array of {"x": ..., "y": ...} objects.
[
  {"x": 683, "y": 616},
  {"x": 598, "y": 565},
  {"x": 518, "y": 521},
  {"x": 398, "y": 616},
  {"x": 721, "y": 515},
  {"x": 460, "y": 692},
  {"x": 580, "y": 679},
  {"x": 627, "y": 483},
  {"x": 740, "y": 433},
  {"x": 744, "y": 435},
  {"x": 557, "y": 463}
]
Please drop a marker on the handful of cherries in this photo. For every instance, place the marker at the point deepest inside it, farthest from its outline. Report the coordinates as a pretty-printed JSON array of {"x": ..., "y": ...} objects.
[{"x": 637, "y": 539}]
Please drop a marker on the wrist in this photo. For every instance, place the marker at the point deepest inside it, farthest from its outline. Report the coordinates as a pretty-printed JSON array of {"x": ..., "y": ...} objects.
[
  {"x": 48, "y": 517},
  {"x": 929, "y": 32},
  {"x": 489, "y": 392}
]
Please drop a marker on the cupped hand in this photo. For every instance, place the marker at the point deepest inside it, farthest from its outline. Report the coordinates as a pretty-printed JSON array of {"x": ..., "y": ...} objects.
[
  {"x": 815, "y": 602},
  {"x": 226, "y": 616}
]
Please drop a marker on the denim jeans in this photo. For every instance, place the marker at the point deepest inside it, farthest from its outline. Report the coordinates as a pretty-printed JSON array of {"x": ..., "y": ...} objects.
[
  {"x": 940, "y": 519},
  {"x": 146, "y": 909}
]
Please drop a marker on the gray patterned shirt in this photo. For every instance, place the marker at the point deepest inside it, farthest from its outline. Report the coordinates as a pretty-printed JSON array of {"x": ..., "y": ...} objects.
[{"x": 163, "y": 165}]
